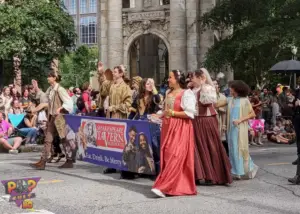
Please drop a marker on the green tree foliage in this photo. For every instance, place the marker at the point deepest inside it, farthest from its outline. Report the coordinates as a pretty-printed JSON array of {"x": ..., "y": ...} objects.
[
  {"x": 77, "y": 67},
  {"x": 263, "y": 32},
  {"x": 36, "y": 31}
]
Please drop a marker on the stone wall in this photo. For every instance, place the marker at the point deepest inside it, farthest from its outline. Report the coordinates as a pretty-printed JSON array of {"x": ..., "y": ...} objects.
[{"x": 176, "y": 24}]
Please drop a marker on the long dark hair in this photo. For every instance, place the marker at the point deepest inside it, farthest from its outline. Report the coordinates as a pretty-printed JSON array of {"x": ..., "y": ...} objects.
[
  {"x": 55, "y": 75},
  {"x": 15, "y": 96},
  {"x": 4, "y": 89},
  {"x": 180, "y": 78},
  {"x": 148, "y": 152},
  {"x": 142, "y": 93}
]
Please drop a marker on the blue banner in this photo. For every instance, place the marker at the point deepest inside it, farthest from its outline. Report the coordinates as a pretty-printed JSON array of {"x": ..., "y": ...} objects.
[{"x": 126, "y": 145}]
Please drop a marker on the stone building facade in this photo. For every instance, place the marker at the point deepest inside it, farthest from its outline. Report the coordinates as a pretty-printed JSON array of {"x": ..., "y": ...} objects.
[{"x": 151, "y": 37}]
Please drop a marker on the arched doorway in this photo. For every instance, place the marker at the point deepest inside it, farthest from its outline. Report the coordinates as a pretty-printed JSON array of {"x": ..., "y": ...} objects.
[{"x": 149, "y": 58}]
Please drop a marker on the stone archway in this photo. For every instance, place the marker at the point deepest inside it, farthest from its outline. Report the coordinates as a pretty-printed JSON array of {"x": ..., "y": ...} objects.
[
  {"x": 129, "y": 42},
  {"x": 158, "y": 61}
]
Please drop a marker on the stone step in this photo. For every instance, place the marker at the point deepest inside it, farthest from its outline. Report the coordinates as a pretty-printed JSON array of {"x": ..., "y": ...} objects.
[{"x": 26, "y": 148}]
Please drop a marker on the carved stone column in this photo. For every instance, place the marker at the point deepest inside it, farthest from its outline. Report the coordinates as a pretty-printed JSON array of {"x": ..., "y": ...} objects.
[
  {"x": 103, "y": 25},
  {"x": 178, "y": 35},
  {"x": 192, "y": 14},
  {"x": 132, "y": 3},
  {"x": 207, "y": 37},
  {"x": 139, "y": 4},
  {"x": 115, "y": 33}
]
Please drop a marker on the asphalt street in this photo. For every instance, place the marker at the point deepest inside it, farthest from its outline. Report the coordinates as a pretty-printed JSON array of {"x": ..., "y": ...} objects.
[{"x": 85, "y": 190}]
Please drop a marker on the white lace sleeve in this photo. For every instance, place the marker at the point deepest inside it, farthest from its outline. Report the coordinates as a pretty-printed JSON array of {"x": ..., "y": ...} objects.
[
  {"x": 66, "y": 99},
  {"x": 208, "y": 95},
  {"x": 188, "y": 103}
]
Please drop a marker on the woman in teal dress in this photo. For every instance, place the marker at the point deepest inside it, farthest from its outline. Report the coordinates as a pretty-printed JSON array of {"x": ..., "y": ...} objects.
[{"x": 239, "y": 112}]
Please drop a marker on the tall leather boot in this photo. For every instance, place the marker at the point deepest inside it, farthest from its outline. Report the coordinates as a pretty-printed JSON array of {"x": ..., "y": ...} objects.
[
  {"x": 39, "y": 165},
  {"x": 67, "y": 165},
  {"x": 296, "y": 179}
]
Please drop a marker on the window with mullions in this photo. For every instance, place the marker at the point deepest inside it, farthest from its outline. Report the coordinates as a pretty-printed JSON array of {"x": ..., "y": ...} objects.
[
  {"x": 88, "y": 29},
  {"x": 72, "y": 7},
  {"x": 164, "y": 2},
  {"x": 93, "y": 6},
  {"x": 83, "y": 6}
]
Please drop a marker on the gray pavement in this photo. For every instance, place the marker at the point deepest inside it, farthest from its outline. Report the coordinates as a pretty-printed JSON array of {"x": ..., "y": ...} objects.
[{"x": 86, "y": 190}]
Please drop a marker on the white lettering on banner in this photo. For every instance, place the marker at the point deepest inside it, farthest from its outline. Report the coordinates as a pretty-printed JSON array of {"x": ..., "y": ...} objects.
[
  {"x": 88, "y": 156},
  {"x": 105, "y": 135},
  {"x": 98, "y": 157},
  {"x": 114, "y": 161},
  {"x": 112, "y": 139},
  {"x": 106, "y": 159}
]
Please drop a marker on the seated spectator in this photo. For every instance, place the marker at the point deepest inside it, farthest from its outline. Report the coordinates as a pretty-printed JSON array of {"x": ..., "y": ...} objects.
[
  {"x": 289, "y": 130},
  {"x": 8, "y": 142},
  {"x": 251, "y": 134},
  {"x": 256, "y": 129},
  {"x": 29, "y": 128},
  {"x": 277, "y": 135},
  {"x": 16, "y": 108},
  {"x": 25, "y": 101},
  {"x": 6, "y": 100},
  {"x": 26, "y": 125}
]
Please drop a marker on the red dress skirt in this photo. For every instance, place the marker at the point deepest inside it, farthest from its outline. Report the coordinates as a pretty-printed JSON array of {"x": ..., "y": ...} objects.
[{"x": 177, "y": 175}]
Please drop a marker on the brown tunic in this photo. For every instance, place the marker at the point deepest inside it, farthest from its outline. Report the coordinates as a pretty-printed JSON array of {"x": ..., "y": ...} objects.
[{"x": 104, "y": 88}]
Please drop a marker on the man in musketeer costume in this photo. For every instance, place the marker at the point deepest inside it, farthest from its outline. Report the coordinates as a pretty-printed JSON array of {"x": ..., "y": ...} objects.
[{"x": 59, "y": 103}]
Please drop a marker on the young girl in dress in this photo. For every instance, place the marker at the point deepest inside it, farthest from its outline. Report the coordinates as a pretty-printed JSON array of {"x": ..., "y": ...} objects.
[
  {"x": 177, "y": 176},
  {"x": 239, "y": 112}
]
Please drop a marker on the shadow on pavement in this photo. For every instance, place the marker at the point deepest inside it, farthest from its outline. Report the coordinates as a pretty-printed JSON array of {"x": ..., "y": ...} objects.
[{"x": 136, "y": 187}]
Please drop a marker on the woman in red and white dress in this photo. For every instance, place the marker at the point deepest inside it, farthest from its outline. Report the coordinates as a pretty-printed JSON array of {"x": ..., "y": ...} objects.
[
  {"x": 177, "y": 175},
  {"x": 211, "y": 161}
]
